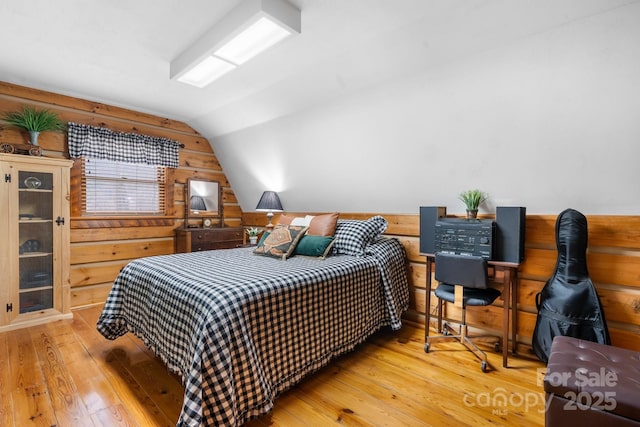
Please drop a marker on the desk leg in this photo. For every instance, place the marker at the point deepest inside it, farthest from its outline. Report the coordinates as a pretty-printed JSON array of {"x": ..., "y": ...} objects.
[
  {"x": 505, "y": 316},
  {"x": 427, "y": 301},
  {"x": 514, "y": 311}
]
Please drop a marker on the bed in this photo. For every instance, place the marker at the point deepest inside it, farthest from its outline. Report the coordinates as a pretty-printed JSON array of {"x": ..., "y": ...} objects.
[{"x": 241, "y": 328}]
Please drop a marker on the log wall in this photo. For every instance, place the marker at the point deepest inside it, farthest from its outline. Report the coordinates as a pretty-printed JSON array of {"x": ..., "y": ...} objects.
[
  {"x": 101, "y": 246},
  {"x": 613, "y": 259}
]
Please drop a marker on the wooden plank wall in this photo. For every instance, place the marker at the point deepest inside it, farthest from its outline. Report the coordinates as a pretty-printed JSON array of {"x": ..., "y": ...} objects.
[
  {"x": 613, "y": 259},
  {"x": 101, "y": 246}
]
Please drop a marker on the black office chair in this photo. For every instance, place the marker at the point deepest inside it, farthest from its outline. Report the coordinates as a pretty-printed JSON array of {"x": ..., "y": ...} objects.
[{"x": 463, "y": 281}]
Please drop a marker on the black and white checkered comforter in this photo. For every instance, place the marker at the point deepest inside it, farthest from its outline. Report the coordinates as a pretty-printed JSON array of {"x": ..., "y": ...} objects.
[{"x": 241, "y": 328}]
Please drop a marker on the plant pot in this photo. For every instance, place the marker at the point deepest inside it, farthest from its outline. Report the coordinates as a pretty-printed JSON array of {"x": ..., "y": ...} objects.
[
  {"x": 253, "y": 240},
  {"x": 471, "y": 214},
  {"x": 33, "y": 135}
]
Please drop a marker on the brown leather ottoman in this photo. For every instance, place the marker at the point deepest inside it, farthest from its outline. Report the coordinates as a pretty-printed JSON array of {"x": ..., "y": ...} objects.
[{"x": 589, "y": 384}]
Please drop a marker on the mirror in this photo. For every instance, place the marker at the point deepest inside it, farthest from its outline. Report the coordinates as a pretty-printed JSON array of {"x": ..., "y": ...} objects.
[{"x": 202, "y": 199}]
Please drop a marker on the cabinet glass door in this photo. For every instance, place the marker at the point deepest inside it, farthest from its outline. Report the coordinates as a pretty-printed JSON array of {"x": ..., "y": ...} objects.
[{"x": 36, "y": 225}]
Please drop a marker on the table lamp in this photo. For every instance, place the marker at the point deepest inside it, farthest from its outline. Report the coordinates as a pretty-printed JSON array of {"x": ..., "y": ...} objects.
[{"x": 269, "y": 202}]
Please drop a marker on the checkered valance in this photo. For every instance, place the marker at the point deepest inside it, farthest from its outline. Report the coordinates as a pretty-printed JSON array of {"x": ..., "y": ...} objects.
[{"x": 102, "y": 143}]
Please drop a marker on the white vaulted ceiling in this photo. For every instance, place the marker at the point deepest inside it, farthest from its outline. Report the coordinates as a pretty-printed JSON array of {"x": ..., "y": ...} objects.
[
  {"x": 415, "y": 100},
  {"x": 118, "y": 51}
]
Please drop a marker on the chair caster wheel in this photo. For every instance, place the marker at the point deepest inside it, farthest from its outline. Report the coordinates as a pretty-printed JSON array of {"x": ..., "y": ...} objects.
[
  {"x": 483, "y": 366},
  {"x": 496, "y": 347},
  {"x": 426, "y": 348}
]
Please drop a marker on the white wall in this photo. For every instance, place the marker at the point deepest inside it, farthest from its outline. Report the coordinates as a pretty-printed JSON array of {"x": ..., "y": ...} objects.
[{"x": 548, "y": 122}]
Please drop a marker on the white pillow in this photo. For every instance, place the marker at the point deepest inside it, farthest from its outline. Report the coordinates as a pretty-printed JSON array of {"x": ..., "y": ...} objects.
[{"x": 302, "y": 222}]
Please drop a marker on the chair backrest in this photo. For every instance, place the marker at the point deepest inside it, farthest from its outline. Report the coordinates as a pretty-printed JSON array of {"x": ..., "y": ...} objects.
[{"x": 464, "y": 270}]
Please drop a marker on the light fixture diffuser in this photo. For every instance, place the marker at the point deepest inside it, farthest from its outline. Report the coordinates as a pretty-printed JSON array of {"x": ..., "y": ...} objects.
[
  {"x": 250, "y": 28},
  {"x": 260, "y": 36},
  {"x": 210, "y": 69}
]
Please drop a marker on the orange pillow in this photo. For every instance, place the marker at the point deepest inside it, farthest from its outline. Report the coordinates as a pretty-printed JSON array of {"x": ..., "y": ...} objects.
[
  {"x": 285, "y": 219},
  {"x": 323, "y": 225}
]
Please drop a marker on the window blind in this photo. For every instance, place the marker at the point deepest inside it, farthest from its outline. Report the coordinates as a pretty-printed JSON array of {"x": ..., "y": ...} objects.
[{"x": 119, "y": 188}]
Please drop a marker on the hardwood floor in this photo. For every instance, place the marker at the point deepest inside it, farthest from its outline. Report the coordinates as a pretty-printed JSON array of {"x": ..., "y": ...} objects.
[{"x": 66, "y": 374}]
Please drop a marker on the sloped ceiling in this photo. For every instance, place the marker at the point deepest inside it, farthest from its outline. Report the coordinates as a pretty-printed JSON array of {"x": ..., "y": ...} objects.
[
  {"x": 118, "y": 51},
  {"x": 504, "y": 87}
]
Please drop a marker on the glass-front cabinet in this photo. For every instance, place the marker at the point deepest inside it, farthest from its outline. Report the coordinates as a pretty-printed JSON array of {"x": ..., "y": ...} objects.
[{"x": 34, "y": 215}]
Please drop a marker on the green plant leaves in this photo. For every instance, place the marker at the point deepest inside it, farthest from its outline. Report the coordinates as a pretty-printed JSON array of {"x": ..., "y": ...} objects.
[
  {"x": 35, "y": 120},
  {"x": 472, "y": 198}
]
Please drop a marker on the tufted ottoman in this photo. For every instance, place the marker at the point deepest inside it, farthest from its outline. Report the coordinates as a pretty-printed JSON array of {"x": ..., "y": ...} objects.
[{"x": 589, "y": 384}]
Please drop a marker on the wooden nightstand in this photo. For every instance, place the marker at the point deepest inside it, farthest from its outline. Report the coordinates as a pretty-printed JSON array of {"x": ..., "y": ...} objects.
[{"x": 205, "y": 239}]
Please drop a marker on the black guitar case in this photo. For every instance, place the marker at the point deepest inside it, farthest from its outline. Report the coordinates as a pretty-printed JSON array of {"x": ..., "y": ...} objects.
[{"x": 568, "y": 304}]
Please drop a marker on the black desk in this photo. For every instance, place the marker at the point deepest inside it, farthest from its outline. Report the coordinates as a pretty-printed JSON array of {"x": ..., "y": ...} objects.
[{"x": 509, "y": 294}]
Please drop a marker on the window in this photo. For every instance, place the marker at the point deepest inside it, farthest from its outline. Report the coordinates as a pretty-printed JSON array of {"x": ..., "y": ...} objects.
[{"x": 118, "y": 188}]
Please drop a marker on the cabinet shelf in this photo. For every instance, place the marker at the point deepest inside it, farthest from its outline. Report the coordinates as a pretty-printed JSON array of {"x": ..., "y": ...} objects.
[
  {"x": 35, "y": 254},
  {"x": 38, "y": 289},
  {"x": 36, "y": 190}
]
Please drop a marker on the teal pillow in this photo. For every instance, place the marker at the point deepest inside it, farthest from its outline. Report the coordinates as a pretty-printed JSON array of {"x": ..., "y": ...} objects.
[
  {"x": 281, "y": 242},
  {"x": 315, "y": 246},
  {"x": 263, "y": 238}
]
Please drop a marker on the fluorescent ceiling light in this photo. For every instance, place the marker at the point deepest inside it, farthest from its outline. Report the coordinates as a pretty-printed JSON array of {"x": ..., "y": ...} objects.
[
  {"x": 250, "y": 28},
  {"x": 206, "y": 71},
  {"x": 258, "y": 37}
]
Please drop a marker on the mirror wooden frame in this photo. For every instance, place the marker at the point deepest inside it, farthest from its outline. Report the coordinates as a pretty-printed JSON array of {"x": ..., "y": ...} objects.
[{"x": 202, "y": 193}]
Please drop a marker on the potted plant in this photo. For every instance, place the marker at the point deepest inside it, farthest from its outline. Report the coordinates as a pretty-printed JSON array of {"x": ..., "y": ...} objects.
[
  {"x": 253, "y": 233},
  {"x": 35, "y": 121},
  {"x": 472, "y": 199}
]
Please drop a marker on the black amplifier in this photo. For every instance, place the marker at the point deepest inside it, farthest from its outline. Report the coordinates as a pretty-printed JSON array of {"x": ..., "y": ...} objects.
[{"x": 465, "y": 236}]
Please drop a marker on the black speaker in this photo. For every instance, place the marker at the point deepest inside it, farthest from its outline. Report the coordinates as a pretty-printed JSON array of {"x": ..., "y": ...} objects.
[
  {"x": 510, "y": 228},
  {"x": 428, "y": 217}
]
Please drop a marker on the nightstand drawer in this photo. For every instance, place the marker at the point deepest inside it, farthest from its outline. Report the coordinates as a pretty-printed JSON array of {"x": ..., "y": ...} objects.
[
  {"x": 206, "y": 239},
  {"x": 225, "y": 234},
  {"x": 208, "y": 246}
]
